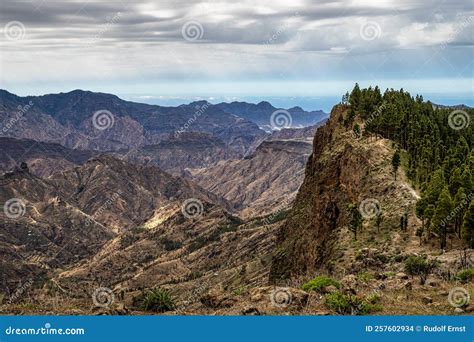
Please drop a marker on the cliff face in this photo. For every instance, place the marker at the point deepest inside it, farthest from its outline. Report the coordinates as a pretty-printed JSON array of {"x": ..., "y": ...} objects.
[
  {"x": 262, "y": 183},
  {"x": 341, "y": 170}
]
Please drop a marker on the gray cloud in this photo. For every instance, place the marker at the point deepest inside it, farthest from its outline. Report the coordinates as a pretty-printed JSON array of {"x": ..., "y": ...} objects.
[{"x": 246, "y": 39}]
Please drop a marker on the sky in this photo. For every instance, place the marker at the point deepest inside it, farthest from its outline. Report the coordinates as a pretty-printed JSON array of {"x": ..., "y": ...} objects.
[{"x": 172, "y": 51}]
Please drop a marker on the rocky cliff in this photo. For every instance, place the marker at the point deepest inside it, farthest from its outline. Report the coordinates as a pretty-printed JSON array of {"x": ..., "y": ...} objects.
[
  {"x": 264, "y": 182},
  {"x": 341, "y": 170}
]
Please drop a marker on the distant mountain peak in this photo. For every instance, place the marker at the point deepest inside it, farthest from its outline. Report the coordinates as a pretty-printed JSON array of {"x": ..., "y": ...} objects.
[
  {"x": 265, "y": 104},
  {"x": 199, "y": 103},
  {"x": 296, "y": 109}
]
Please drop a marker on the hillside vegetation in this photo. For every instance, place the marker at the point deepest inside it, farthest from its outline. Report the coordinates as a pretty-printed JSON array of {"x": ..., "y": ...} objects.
[{"x": 438, "y": 143}]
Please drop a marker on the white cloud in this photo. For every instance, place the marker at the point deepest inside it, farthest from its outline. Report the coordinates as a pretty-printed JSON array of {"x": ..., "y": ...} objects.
[
  {"x": 425, "y": 34},
  {"x": 67, "y": 41}
]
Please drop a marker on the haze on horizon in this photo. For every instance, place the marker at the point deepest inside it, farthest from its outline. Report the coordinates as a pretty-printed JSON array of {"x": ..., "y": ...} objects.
[{"x": 221, "y": 49}]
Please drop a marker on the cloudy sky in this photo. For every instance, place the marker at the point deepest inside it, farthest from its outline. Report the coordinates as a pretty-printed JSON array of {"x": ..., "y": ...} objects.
[{"x": 176, "y": 49}]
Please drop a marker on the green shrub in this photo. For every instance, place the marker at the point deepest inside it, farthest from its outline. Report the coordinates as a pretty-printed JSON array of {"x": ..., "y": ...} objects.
[
  {"x": 319, "y": 283},
  {"x": 348, "y": 304},
  {"x": 372, "y": 298},
  {"x": 239, "y": 291},
  {"x": 417, "y": 265},
  {"x": 365, "y": 276},
  {"x": 170, "y": 245},
  {"x": 338, "y": 302},
  {"x": 466, "y": 275},
  {"x": 158, "y": 300}
]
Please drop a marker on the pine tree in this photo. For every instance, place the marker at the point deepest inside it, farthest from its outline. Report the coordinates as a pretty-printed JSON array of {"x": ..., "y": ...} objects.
[
  {"x": 458, "y": 202},
  {"x": 429, "y": 212},
  {"x": 468, "y": 225},
  {"x": 437, "y": 155},
  {"x": 396, "y": 163},
  {"x": 420, "y": 209},
  {"x": 345, "y": 98},
  {"x": 455, "y": 181},
  {"x": 442, "y": 211},
  {"x": 355, "y": 98},
  {"x": 467, "y": 180},
  {"x": 435, "y": 186},
  {"x": 355, "y": 219}
]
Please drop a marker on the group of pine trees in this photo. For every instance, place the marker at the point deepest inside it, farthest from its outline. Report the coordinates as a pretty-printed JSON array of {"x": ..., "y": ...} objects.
[{"x": 440, "y": 158}]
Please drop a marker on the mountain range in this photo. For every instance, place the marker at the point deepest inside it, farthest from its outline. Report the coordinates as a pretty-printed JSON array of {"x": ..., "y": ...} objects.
[
  {"x": 68, "y": 119},
  {"x": 200, "y": 206}
]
